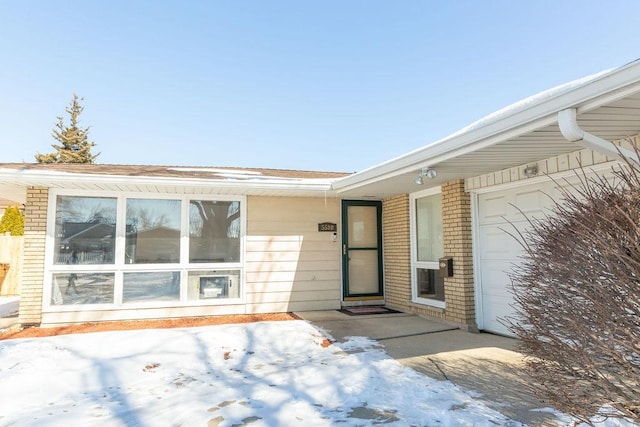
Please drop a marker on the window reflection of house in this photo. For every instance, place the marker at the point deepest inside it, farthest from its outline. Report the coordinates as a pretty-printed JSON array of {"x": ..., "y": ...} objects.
[
  {"x": 93, "y": 241},
  {"x": 154, "y": 245}
]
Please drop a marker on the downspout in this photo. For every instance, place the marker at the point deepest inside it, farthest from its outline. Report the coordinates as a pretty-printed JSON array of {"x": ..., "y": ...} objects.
[{"x": 572, "y": 131}]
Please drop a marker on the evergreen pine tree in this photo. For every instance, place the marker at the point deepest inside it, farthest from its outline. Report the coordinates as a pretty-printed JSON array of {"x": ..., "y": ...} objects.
[
  {"x": 74, "y": 146},
  {"x": 12, "y": 221}
]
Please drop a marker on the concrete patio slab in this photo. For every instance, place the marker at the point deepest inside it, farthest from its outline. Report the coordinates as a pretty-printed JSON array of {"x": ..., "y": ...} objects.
[
  {"x": 485, "y": 365},
  {"x": 374, "y": 326}
]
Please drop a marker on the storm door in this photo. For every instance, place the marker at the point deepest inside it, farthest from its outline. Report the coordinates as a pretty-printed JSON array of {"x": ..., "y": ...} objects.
[{"x": 361, "y": 249}]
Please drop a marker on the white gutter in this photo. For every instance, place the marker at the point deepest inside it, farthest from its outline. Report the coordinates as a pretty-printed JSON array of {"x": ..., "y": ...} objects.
[
  {"x": 524, "y": 116},
  {"x": 71, "y": 180},
  {"x": 572, "y": 131}
]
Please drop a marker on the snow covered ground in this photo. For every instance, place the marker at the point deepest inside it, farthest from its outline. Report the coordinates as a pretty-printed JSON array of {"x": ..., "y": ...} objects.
[{"x": 259, "y": 374}]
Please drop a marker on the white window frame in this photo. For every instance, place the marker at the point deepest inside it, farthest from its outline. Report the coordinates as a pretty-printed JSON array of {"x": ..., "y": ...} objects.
[
  {"x": 119, "y": 267},
  {"x": 415, "y": 264}
]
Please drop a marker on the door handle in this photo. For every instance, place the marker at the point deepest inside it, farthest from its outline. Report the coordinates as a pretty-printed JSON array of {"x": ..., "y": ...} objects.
[{"x": 344, "y": 249}]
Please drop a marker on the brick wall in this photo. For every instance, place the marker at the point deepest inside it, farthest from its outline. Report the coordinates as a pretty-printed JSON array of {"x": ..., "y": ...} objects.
[
  {"x": 456, "y": 218},
  {"x": 35, "y": 229},
  {"x": 397, "y": 252}
]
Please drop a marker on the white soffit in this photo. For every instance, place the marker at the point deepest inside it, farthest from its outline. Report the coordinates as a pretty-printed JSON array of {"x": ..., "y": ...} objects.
[
  {"x": 608, "y": 106},
  {"x": 11, "y": 194}
]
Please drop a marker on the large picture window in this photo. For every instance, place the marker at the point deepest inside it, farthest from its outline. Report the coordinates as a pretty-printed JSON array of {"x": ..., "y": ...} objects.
[
  {"x": 427, "y": 245},
  {"x": 123, "y": 251}
]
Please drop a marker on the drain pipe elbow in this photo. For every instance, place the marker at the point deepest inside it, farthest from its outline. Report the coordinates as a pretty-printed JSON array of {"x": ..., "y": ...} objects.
[
  {"x": 572, "y": 131},
  {"x": 569, "y": 125}
]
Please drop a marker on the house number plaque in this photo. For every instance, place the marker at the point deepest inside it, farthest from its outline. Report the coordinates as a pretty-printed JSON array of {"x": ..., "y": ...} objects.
[{"x": 327, "y": 226}]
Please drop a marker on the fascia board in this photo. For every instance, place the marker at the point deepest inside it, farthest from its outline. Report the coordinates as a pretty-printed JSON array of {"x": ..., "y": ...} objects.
[
  {"x": 31, "y": 177},
  {"x": 604, "y": 89}
]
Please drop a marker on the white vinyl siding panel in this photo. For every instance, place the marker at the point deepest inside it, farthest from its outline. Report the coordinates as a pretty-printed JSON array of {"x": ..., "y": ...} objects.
[
  {"x": 67, "y": 317},
  {"x": 290, "y": 265}
]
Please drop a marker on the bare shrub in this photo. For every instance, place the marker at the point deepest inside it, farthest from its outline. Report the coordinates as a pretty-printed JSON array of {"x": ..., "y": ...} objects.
[{"x": 577, "y": 291}]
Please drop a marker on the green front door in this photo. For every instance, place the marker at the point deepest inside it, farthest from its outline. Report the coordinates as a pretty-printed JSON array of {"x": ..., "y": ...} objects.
[{"x": 361, "y": 249}]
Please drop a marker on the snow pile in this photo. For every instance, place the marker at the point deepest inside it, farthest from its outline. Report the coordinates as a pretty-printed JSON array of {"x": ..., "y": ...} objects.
[
  {"x": 263, "y": 374},
  {"x": 260, "y": 374}
]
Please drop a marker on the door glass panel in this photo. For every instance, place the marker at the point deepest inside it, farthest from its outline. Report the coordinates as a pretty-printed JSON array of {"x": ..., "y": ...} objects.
[
  {"x": 363, "y": 226},
  {"x": 429, "y": 228},
  {"x": 363, "y": 272}
]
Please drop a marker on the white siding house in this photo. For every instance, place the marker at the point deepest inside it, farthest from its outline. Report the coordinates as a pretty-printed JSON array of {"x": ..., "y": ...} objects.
[{"x": 106, "y": 242}]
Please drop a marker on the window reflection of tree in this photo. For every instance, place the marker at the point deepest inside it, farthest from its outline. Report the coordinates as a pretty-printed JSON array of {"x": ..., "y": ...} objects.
[
  {"x": 212, "y": 227},
  {"x": 145, "y": 214},
  {"x": 86, "y": 209}
]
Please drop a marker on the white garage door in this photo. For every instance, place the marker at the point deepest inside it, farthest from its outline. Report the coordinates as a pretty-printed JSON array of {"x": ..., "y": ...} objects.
[{"x": 497, "y": 251}]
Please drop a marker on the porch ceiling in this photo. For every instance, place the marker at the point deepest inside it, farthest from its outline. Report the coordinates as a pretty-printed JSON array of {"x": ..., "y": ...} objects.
[{"x": 611, "y": 115}]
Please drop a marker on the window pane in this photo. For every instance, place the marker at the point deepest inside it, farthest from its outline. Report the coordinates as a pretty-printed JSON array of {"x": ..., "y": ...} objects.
[
  {"x": 429, "y": 228},
  {"x": 153, "y": 231},
  {"x": 363, "y": 226},
  {"x": 213, "y": 284},
  {"x": 152, "y": 286},
  {"x": 430, "y": 284},
  {"x": 85, "y": 230},
  {"x": 214, "y": 231},
  {"x": 82, "y": 288},
  {"x": 363, "y": 272}
]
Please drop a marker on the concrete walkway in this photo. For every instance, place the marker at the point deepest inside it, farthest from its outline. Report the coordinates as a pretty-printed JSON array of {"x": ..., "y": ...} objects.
[{"x": 484, "y": 364}]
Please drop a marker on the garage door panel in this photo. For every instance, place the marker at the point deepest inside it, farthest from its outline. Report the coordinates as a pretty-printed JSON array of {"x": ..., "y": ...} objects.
[
  {"x": 494, "y": 208},
  {"x": 495, "y": 275},
  {"x": 493, "y": 310},
  {"x": 495, "y": 242},
  {"x": 515, "y": 206},
  {"x": 497, "y": 300},
  {"x": 497, "y": 252},
  {"x": 529, "y": 204}
]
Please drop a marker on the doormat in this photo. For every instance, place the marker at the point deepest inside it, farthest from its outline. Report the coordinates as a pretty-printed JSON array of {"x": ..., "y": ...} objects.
[{"x": 368, "y": 309}]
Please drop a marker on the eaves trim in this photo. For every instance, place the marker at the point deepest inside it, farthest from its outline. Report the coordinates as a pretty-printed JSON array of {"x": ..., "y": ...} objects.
[
  {"x": 605, "y": 88},
  {"x": 48, "y": 178}
]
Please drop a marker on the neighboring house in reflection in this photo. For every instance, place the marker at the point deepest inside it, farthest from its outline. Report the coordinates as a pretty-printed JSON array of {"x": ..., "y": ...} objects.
[
  {"x": 93, "y": 241},
  {"x": 156, "y": 245}
]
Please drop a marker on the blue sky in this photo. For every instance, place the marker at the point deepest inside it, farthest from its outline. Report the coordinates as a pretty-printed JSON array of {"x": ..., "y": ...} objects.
[{"x": 332, "y": 85}]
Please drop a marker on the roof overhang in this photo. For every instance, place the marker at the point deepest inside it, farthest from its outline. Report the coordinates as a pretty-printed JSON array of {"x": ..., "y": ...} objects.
[
  {"x": 273, "y": 186},
  {"x": 607, "y": 105}
]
